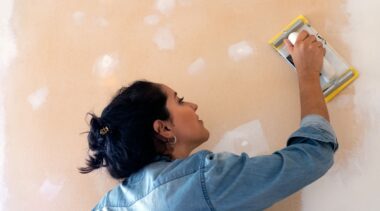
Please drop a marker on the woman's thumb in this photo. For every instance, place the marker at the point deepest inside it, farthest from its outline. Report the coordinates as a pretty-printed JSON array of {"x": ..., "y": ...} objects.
[{"x": 289, "y": 46}]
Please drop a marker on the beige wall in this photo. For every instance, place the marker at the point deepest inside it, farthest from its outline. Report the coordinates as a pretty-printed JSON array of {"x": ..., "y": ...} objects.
[{"x": 71, "y": 57}]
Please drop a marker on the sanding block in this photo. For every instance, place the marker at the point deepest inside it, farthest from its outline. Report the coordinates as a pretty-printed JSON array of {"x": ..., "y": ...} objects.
[{"x": 336, "y": 74}]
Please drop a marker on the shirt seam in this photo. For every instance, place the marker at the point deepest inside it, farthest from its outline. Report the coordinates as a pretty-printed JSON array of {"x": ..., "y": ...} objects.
[{"x": 203, "y": 185}]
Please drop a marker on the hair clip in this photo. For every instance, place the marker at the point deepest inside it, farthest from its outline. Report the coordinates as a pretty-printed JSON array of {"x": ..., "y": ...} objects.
[{"x": 104, "y": 130}]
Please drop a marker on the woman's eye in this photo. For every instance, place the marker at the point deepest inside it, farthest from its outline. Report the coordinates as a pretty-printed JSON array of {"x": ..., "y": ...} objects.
[{"x": 181, "y": 100}]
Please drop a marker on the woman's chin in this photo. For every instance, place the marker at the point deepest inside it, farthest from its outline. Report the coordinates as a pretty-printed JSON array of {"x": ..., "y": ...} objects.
[{"x": 207, "y": 136}]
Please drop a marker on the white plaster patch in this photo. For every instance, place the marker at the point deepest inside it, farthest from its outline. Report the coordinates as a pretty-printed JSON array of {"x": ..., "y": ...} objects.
[
  {"x": 248, "y": 138},
  {"x": 102, "y": 22},
  {"x": 165, "y": 6},
  {"x": 244, "y": 143},
  {"x": 355, "y": 186},
  {"x": 49, "y": 189},
  {"x": 240, "y": 51},
  {"x": 37, "y": 98},
  {"x": 79, "y": 17},
  {"x": 164, "y": 39},
  {"x": 8, "y": 49},
  {"x": 8, "y": 52},
  {"x": 105, "y": 65},
  {"x": 197, "y": 66},
  {"x": 3, "y": 188},
  {"x": 152, "y": 19}
]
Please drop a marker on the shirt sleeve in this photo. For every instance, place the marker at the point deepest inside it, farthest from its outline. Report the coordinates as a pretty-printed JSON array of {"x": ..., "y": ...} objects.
[{"x": 232, "y": 182}]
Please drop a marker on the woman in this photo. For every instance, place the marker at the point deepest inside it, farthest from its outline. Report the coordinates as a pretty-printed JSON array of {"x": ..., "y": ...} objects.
[{"x": 146, "y": 134}]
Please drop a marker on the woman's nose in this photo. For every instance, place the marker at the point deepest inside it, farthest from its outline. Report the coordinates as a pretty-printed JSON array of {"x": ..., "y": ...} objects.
[{"x": 194, "y": 106}]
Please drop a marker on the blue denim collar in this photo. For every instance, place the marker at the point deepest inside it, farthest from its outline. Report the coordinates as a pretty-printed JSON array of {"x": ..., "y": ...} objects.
[{"x": 162, "y": 158}]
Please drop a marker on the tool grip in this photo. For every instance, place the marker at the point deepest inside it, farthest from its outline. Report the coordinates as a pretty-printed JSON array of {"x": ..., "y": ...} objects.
[{"x": 327, "y": 73}]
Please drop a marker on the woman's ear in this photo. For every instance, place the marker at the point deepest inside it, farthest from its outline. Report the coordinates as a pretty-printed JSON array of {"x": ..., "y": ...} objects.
[{"x": 162, "y": 128}]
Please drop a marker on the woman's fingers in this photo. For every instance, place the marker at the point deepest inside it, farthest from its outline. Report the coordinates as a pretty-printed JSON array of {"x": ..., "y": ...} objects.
[{"x": 303, "y": 35}]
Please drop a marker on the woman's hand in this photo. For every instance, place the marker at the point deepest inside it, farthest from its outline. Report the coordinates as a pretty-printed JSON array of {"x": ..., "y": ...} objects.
[{"x": 307, "y": 53}]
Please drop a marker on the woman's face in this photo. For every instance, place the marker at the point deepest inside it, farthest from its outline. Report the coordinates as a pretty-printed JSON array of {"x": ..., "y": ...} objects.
[{"x": 185, "y": 123}]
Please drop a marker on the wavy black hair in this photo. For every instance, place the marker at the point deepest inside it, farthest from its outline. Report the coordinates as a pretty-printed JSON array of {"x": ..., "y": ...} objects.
[{"x": 122, "y": 139}]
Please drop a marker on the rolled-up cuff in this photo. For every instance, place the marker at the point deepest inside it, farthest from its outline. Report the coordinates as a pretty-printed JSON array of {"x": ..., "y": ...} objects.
[{"x": 315, "y": 127}]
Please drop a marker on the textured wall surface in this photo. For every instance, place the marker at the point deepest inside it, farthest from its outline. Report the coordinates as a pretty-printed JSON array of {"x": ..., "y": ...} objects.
[{"x": 61, "y": 59}]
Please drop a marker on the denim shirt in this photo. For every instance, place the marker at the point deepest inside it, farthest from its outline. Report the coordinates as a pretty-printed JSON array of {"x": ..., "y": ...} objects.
[{"x": 226, "y": 181}]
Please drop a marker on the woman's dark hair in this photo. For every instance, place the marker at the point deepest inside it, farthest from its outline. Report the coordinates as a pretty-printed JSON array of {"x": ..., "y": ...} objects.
[{"x": 122, "y": 139}]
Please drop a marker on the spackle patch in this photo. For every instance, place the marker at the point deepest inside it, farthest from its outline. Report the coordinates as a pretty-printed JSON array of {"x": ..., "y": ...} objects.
[
  {"x": 152, "y": 19},
  {"x": 240, "y": 51},
  {"x": 49, "y": 190},
  {"x": 244, "y": 143},
  {"x": 79, "y": 17},
  {"x": 8, "y": 49},
  {"x": 164, "y": 39},
  {"x": 105, "y": 65},
  {"x": 248, "y": 138},
  {"x": 38, "y": 97},
  {"x": 165, "y": 6},
  {"x": 354, "y": 185},
  {"x": 102, "y": 22},
  {"x": 8, "y": 52},
  {"x": 197, "y": 66},
  {"x": 3, "y": 188}
]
